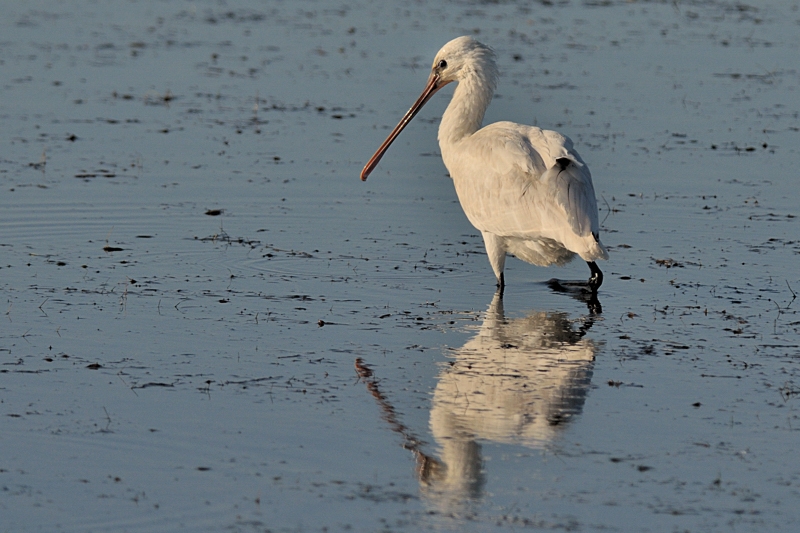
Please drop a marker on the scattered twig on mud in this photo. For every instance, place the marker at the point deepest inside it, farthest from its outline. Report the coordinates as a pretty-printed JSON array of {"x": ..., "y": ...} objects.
[
  {"x": 119, "y": 375},
  {"x": 254, "y": 119},
  {"x": 42, "y": 162},
  {"x": 123, "y": 302},
  {"x": 775, "y": 322},
  {"x": 40, "y": 306},
  {"x": 108, "y": 248},
  {"x": 179, "y": 303},
  {"x": 108, "y": 423},
  {"x": 251, "y": 381},
  {"x": 608, "y": 214},
  {"x": 794, "y": 296},
  {"x": 788, "y": 391},
  {"x": 153, "y": 384}
]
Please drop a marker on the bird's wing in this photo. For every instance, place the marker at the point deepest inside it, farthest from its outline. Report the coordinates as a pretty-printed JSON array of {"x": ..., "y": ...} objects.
[
  {"x": 572, "y": 189},
  {"x": 505, "y": 147},
  {"x": 523, "y": 162},
  {"x": 568, "y": 182}
]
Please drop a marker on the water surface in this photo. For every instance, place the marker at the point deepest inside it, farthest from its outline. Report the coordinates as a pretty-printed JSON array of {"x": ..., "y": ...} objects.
[{"x": 211, "y": 324}]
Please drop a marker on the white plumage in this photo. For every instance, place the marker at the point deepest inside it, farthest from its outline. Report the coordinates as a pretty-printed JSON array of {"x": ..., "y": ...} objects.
[{"x": 526, "y": 189}]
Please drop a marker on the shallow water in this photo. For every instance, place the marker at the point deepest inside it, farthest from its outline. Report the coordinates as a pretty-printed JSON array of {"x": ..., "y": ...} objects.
[{"x": 211, "y": 324}]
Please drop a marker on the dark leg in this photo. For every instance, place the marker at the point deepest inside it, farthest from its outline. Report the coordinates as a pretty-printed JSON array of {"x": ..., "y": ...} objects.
[
  {"x": 596, "y": 279},
  {"x": 501, "y": 284}
]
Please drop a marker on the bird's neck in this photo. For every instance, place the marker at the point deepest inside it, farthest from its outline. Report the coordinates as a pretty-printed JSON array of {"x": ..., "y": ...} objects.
[{"x": 464, "y": 114}]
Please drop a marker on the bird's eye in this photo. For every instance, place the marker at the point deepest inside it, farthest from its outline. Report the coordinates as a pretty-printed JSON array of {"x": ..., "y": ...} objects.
[{"x": 442, "y": 65}]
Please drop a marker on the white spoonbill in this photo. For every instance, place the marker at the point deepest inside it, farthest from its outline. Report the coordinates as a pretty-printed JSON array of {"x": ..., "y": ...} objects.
[{"x": 526, "y": 189}]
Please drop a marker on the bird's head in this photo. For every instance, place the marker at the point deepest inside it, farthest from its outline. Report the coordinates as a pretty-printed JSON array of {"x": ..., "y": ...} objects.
[{"x": 463, "y": 57}]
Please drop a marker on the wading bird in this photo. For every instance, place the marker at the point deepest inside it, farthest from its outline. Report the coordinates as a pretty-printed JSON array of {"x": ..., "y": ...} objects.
[{"x": 526, "y": 189}]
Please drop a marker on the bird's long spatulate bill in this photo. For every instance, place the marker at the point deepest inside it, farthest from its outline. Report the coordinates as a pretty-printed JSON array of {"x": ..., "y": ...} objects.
[{"x": 431, "y": 87}]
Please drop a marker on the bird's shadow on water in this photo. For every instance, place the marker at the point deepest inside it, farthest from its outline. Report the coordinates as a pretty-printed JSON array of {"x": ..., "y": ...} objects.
[{"x": 518, "y": 381}]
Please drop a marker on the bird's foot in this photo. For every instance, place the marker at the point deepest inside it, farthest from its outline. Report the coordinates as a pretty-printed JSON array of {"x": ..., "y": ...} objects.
[{"x": 596, "y": 279}]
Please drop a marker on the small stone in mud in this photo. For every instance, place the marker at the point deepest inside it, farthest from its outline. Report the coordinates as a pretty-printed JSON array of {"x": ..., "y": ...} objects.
[
  {"x": 214, "y": 212},
  {"x": 321, "y": 323}
]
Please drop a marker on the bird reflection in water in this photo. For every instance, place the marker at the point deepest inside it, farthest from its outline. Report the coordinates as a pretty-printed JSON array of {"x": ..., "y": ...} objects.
[{"x": 517, "y": 381}]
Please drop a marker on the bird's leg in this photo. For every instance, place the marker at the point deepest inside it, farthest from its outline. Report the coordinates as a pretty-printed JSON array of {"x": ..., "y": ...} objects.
[
  {"x": 596, "y": 279},
  {"x": 496, "y": 252}
]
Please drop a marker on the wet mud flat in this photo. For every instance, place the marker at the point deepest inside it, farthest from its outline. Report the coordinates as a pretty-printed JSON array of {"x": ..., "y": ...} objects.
[{"x": 210, "y": 324}]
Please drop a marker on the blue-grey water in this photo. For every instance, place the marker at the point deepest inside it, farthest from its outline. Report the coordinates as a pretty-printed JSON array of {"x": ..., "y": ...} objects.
[{"x": 210, "y": 324}]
